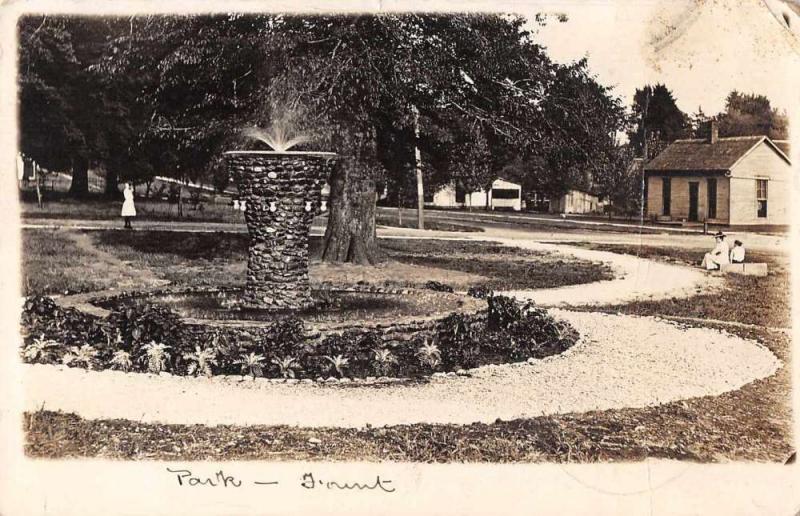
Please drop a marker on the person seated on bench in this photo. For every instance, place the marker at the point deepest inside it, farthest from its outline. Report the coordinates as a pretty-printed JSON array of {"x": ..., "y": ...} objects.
[
  {"x": 737, "y": 253},
  {"x": 718, "y": 256}
]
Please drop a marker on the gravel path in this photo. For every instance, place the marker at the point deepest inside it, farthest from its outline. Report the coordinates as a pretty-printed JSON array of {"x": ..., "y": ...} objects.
[
  {"x": 635, "y": 279},
  {"x": 621, "y": 361}
]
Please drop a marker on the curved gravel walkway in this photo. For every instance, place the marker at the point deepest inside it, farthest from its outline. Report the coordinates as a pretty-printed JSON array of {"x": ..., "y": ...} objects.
[
  {"x": 635, "y": 279},
  {"x": 621, "y": 361}
]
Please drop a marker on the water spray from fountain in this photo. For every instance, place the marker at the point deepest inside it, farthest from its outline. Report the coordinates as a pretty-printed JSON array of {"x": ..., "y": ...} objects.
[
  {"x": 277, "y": 137},
  {"x": 288, "y": 127}
]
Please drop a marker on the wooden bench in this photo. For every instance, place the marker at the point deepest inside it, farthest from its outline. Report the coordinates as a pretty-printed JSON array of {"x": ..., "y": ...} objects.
[{"x": 746, "y": 268}]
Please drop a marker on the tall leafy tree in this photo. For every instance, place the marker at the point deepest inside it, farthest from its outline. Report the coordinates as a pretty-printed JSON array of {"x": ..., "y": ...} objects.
[
  {"x": 584, "y": 119},
  {"x": 73, "y": 116},
  {"x": 185, "y": 88},
  {"x": 620, "y": 180},
  {"x": 748, "y": 114},
  {"x": 656, "y": 114},
  {"x": 472, "y": 92},
  {"x": 47, "y": 63},
  {"x": 353, "y": 72}
]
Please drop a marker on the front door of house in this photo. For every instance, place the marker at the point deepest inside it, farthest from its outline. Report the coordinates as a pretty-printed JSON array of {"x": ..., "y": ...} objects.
[{"x": 694, "y": 188}]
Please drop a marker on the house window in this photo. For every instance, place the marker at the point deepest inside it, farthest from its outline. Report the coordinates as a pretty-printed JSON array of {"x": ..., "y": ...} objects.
[
  {"x": 761, "y": 197},
  {"x": 712, "y": 198},
  {"x": 505, "y": 193},
  {"x": 666, "y": 195}
]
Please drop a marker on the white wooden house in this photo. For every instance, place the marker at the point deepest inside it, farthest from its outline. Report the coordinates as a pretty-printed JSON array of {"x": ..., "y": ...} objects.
[
  {"x": 503, "y": 194},
  {"x": 576, "y": 201},
  {"x": 743, "y": 180}
]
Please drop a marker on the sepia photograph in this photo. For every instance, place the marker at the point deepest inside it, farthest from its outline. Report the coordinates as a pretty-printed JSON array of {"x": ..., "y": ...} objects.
[{"x": 542, "y": 235}]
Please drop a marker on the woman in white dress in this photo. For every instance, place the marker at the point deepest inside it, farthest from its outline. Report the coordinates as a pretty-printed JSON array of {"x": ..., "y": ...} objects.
[
  {"x": 128, "y": 208},
  {"x": 718, "y": 256}
]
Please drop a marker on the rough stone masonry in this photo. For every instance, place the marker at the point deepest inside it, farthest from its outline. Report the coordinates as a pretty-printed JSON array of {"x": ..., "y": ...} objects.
[{"x": 283, "y": 192}]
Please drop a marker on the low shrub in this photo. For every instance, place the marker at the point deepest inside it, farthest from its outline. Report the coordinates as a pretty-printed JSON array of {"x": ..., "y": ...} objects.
[
  {"x": 43, "y": 318},
  {"x": 504, "y": 312},
  {"x": 438, "y": 287}
]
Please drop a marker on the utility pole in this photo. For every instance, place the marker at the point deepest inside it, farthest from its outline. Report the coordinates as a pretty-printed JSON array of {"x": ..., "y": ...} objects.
[
  {"x": 418, "y": 166},
  {"x": 400, "y": 206},
  {"x": 644, "y": 154}
]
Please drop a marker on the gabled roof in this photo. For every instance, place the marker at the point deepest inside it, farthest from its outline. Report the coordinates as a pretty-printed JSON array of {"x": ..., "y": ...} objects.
[
  {"x": 783, "y": 145},
  {"x": 508, "y": 181},
  {"x": 700, "y": 155}
]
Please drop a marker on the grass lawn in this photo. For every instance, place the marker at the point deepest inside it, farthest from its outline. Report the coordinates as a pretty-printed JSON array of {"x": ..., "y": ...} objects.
[
  {"x": 387, "y": 219},
  {"x": 54, "y": 263},
  {"x": 219, "y": 258},
  {"x": 530, "y": 220},
  {"x": 98, "y": 208},
  {"x": 506, "y": 268}
]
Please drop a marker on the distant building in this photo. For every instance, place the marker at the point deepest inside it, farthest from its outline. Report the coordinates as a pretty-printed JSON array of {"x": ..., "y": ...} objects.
[
  {"x": 502, "y": 195},
  {"x": 743, "y": 180},
  {"x": 576, "y": 201}
]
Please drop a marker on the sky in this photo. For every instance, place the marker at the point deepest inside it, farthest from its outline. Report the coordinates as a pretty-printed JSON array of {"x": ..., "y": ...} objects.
[{"x": 701, "y": 49}]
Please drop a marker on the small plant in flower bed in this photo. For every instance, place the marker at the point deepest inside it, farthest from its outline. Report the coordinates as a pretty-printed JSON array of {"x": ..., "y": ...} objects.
[
  {"x": 152, "y": 338},
  {"x": 479, "y": 291}
]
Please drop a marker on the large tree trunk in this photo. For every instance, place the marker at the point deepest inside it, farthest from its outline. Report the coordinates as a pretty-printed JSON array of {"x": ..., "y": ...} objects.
[
  {"x": 350, "y": 234},
  {"x": 112, "y": 185},
  {"x": 79, "y": 187}
]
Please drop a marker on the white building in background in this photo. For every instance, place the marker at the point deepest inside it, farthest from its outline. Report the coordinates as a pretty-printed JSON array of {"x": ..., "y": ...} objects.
[
  {"x": 502, "y": 195},
  {"x": 576, "y": 201}
]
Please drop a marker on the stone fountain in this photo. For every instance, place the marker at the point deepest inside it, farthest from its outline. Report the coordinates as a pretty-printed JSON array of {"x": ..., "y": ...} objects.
[{"x": 283, "y": 193}]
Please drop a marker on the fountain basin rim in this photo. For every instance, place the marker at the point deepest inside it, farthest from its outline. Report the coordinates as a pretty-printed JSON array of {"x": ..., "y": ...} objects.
[{"x": 284, "y": 153}]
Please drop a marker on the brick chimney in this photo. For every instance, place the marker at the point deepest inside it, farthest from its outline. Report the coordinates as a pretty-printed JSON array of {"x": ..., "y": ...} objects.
[{"x": 713, "y": 132}]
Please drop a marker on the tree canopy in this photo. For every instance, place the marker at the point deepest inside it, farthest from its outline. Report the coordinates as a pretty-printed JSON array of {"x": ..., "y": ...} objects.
[
  {"x": 474, "y": 93},
  {"x": 748, "y": 114},
  {"x": 655, "y": 113}
]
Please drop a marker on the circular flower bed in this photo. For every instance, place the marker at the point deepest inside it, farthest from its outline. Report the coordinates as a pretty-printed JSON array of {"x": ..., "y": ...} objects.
[{"x": 147, "y": 337}]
